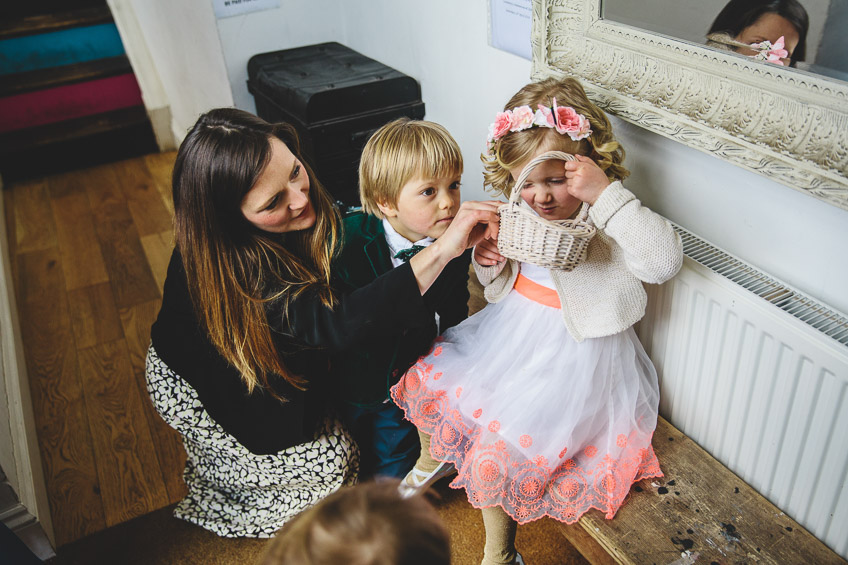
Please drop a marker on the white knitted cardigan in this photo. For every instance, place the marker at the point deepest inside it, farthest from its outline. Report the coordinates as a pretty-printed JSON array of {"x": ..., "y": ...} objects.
[{"x": 604, "y": 295}]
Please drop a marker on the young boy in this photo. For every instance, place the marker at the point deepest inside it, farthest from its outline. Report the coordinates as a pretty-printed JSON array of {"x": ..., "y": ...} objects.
[{"x": 409, "y": 187}]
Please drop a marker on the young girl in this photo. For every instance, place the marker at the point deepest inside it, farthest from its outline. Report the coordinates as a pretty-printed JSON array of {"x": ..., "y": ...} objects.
[{"x": 545, "y": 401}]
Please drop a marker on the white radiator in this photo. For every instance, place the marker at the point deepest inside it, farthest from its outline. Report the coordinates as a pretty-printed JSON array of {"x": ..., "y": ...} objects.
[{"x": 757, "y": 374}]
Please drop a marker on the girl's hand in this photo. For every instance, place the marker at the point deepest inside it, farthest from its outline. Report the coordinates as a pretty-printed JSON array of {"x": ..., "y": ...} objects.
[
  {"x": 486, "y": 252},
  {"x": 584, "y": 179}
]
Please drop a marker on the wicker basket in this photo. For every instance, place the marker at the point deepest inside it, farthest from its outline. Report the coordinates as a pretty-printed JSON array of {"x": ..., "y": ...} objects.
[{"x": 524, "y": 236}]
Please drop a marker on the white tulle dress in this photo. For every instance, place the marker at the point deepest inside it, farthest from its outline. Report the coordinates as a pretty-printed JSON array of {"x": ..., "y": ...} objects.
[{"x": 534, "y": 421}]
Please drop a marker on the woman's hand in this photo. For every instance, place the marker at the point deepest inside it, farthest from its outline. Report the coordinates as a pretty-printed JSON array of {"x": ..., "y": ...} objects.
[
  {"x": 472, "y": 223},
  {"x": 584, "y": 179},
  {"x": 486, "y": 252}
]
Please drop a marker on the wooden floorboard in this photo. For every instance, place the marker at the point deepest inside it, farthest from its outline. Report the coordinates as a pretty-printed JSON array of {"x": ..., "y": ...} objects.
[
  {"x": 130, "y": 275},
  {"x": 157, "y": 248},
  {"x": 33, "y": 225},
  {"x": 136, "y": 322},
  {"x": 58, "y": 402},
  {"x": 89, "y": 250},
  {"x": 94, "y": 317},
  {"x": 160, "y": 165},
  {"x": 131, "y": 481},
  {"x": 82, "y": 259},
  {"x": 144, "y": 200}
]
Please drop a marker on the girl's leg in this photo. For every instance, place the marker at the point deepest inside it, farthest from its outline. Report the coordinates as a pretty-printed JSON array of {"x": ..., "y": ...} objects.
[
  {"x": 425, "y": 462},
  {"x": 426, "y": 470},
  {"x": 500, "y": 537}
]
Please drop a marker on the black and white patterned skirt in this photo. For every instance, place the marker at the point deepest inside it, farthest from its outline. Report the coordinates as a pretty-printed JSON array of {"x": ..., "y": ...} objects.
[{"x": 236, "y": 493}]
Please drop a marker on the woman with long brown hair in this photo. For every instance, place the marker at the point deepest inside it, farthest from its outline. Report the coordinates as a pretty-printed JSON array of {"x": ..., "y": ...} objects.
[{"x": 238, "y": 362}]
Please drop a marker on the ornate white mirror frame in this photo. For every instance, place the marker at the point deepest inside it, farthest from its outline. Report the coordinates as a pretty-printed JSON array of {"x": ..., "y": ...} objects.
[{"x": 786, "y": 124}]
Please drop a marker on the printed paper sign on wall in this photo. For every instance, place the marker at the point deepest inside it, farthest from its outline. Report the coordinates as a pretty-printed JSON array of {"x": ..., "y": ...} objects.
[
  {"x": 227, "y": 8},
  {"x": 510, "y": 26}
]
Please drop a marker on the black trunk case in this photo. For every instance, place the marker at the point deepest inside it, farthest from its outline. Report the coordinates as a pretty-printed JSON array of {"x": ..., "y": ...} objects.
[{"x": 336, "y": 98}]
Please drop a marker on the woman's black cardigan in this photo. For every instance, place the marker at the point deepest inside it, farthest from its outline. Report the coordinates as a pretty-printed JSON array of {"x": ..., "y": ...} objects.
[{"x": 263, "y": 424}]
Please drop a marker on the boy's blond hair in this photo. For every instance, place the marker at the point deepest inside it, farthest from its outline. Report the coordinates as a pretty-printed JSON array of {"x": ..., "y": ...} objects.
[
  {"x": 400, "y": 151},
  {"x": 367, "y": 524}
]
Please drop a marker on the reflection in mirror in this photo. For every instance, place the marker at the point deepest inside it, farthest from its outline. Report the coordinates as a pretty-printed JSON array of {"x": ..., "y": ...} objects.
[{"x": 823, "y": 50}]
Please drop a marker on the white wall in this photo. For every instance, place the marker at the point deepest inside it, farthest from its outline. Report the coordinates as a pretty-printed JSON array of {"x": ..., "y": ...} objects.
[
  {"x": 152, "y": 92},
  {"x": 443, "y": 44},
  {"x": 181, "y": 38},
  {"x": 296, "y": 23}
]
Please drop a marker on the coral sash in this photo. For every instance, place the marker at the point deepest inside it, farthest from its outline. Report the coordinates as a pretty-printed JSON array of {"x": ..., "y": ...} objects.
[{"x": 536, "y": 292}]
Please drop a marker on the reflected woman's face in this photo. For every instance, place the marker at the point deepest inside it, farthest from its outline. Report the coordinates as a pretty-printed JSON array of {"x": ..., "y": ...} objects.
[{"x": 769, "y": 27}]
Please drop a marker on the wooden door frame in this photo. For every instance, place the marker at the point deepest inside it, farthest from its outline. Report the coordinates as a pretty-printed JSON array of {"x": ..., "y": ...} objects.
[{"x": 21, "y": 459}]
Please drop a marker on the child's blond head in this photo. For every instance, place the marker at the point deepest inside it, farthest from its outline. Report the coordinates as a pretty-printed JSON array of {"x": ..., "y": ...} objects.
[
  {"x": 518, "y": 147},
  {"x": 400, "y": 151},
  {"x": 368, "y": 524}
]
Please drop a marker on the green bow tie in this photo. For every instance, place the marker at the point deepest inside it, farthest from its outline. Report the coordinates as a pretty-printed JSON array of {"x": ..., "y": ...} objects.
[{"x": 406, "y": 254}]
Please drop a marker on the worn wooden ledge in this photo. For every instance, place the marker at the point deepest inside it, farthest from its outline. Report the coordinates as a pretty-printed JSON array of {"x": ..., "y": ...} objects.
[{"x": 700, "y": 512}]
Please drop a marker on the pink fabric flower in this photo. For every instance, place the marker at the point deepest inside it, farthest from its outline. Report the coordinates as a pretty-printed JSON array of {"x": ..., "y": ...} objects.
[
  {"x": 771, "y": 53},
  {"x": 566, "y": 118},
  {"x": 583, "y": 129},
  {"x": 503, "y": 121},
  {"x": 568, "y": 121},
  {"x": 777, "y": 53},
  {"x": 522, "y": 118}
]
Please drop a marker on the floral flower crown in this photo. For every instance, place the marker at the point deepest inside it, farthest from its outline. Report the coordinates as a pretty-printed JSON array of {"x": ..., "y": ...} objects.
[
  {"x": 765, "y": 50},
  {"x": 564, "y": 119},
  {"x": 770, "y": 53}
]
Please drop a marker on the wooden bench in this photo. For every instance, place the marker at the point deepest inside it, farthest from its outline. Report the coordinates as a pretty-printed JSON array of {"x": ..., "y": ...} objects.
[{"x": 699, "y": 512}]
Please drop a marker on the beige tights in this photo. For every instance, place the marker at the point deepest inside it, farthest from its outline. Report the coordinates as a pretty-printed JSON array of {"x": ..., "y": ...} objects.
[
  {"x": 425, "y": 462},
  {"x": 500, "y": 536},
  {"x": 500, "y": 528}
]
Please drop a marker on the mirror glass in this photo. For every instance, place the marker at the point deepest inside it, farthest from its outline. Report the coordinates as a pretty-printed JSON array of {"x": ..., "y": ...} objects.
[{"x": 825, "y": 51}]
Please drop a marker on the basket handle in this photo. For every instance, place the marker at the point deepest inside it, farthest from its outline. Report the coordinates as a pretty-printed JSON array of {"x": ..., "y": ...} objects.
[
  {"x": 528, "y": 168},
  {"x": 519, "y": 183}
]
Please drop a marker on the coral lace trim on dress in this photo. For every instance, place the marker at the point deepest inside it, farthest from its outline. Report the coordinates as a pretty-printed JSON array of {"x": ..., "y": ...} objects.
[{"x": 493, "y": 472}]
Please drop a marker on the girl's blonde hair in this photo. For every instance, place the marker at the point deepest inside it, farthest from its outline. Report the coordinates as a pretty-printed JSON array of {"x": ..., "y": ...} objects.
[
  {"x": 367, "y": 524},
  {"x": 398, "y": 152},
  {"x": 516, "y": 148},
  {"x": 238, "y": 274}
]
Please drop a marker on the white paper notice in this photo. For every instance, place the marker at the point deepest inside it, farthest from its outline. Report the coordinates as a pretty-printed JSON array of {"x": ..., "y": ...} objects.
[
  {"x": 227, "y": 8},
  {"x": 511, "y": 23}
]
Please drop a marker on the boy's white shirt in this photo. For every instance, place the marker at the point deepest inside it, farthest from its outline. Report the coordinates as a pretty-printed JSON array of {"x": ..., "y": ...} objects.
[{"x": 397, "y": 242}]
